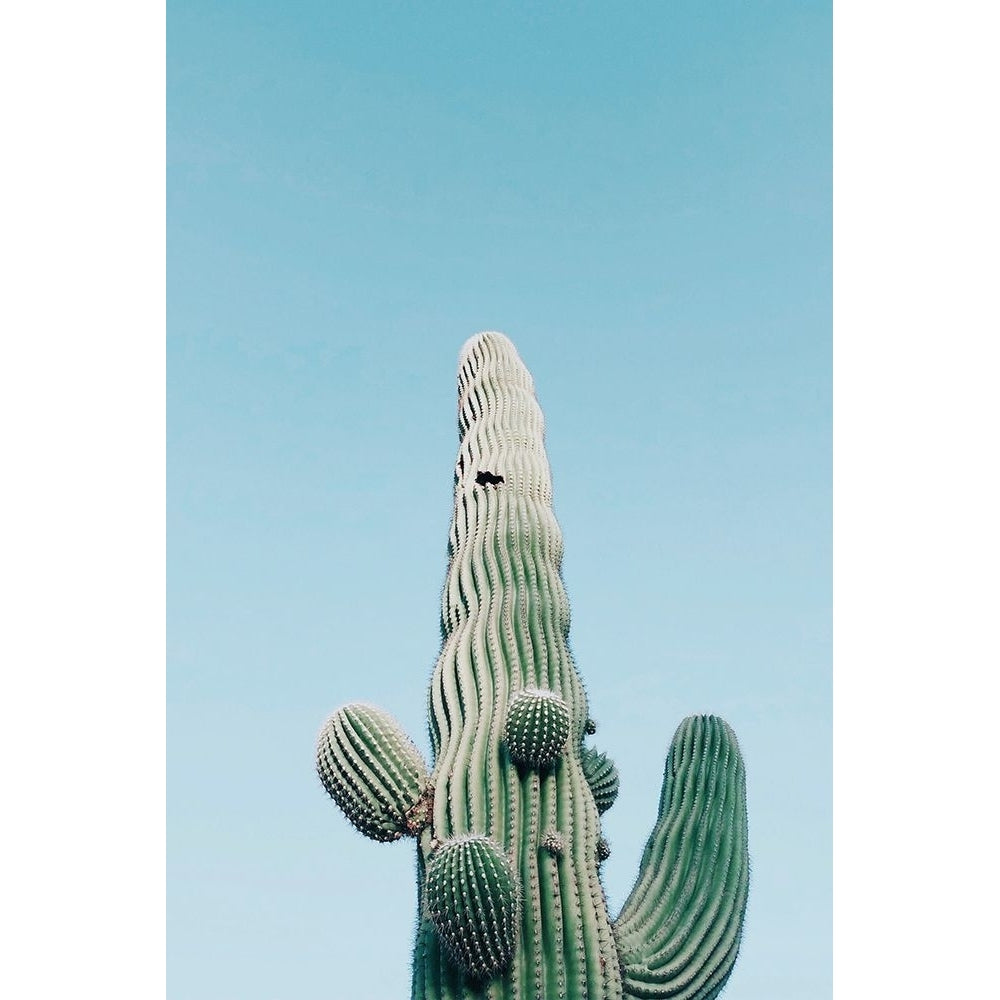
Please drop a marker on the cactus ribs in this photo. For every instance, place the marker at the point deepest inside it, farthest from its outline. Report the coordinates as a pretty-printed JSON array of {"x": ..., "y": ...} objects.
[{"x": 507, "y": 819}]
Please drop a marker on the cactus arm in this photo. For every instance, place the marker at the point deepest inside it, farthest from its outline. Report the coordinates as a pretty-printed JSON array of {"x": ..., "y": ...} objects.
[
  {"x": 372, "y": 770},
  {"x": 679, "y": 930}
]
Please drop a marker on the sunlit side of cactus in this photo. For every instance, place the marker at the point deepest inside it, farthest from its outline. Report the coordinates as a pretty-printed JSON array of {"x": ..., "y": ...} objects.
[{"x": 508, "y": 818}]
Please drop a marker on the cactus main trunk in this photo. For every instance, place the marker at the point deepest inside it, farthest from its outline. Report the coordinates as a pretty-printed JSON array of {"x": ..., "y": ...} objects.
[
  {"x": 507, "y": 819},
  {"x": 505, "y": 621}
]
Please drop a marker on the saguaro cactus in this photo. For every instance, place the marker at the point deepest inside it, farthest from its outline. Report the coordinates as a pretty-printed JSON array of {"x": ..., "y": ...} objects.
[{"x": 507, "y": 818}]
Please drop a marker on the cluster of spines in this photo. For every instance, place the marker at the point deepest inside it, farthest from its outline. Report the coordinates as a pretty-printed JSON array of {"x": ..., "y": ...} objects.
[
  {"x": 372, "y": 770},
  {"x": 554, "y": 843},
  {"x": 472, "y": 898},
  {"x": 679, "y": 931},
  {"x": 602, "y": 776},
  {"x": 537, "y": 727}
]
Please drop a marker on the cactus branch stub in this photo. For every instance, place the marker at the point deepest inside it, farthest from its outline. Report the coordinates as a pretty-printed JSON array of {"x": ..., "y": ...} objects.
[{"x": 507, "y": 818}]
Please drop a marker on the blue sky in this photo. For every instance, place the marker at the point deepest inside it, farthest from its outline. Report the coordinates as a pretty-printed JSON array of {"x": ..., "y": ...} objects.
[{"x": 640, "y": 199}]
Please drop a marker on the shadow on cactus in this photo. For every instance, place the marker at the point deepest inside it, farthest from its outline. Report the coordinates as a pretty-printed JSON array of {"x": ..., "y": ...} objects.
[{"x": 507, "y": 817}]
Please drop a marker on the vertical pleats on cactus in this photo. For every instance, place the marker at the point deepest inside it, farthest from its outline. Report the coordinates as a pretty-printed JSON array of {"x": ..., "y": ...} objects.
[
  {"x": 602, "y": 776},
  {"x": 537, "y": 727},
  {"x": 472, "y": 898},
  {"x": 511, "y": 905},
  {"x": 680, "y": 929},
  {"x": 372, "y": 770}
]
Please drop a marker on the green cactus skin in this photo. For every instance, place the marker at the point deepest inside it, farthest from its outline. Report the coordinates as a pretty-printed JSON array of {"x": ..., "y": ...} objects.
[
  {"x": 372, "y": 770},
  {"x": 472, "y": 899},
  {"x": 679, "y": 931},
  {"x": 500, "y": 790},
  {"x": 537, "y": 727},
  {"x": 602, "y": 776}
]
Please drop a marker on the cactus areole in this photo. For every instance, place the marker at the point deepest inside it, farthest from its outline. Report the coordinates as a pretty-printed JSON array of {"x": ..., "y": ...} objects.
[{"x": 507, "y": 816}]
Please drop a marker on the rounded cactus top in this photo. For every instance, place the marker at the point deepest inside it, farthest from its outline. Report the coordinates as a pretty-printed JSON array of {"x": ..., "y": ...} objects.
[{"x": 500, "y": 423}]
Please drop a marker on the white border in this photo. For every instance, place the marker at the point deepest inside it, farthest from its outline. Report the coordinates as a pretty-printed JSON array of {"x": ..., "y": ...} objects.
[
  {"x": 915, "y": 497},
  {"x": 82, "y": 424}
]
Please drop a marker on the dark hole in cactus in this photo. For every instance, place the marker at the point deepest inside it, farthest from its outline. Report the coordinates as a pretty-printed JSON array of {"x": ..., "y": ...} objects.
[{"x": 488, "y": 479}]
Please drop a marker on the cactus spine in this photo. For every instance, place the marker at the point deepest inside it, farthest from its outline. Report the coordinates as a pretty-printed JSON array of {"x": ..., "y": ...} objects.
[{"x": 508, "y": 819}]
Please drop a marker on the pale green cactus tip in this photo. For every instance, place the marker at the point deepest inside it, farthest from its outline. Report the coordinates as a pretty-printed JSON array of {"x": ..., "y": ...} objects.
[{"x": 507, "y": 820}]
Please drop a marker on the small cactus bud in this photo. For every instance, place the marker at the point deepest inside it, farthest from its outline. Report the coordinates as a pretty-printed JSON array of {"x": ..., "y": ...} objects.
[
  {"x": 603, "y": 850},
  {"x": 602, "y": 776},
  {"x": 554, "y": 843},
  {"x": 590, "y": 727},
  {"x": 537, "y": 727}
]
